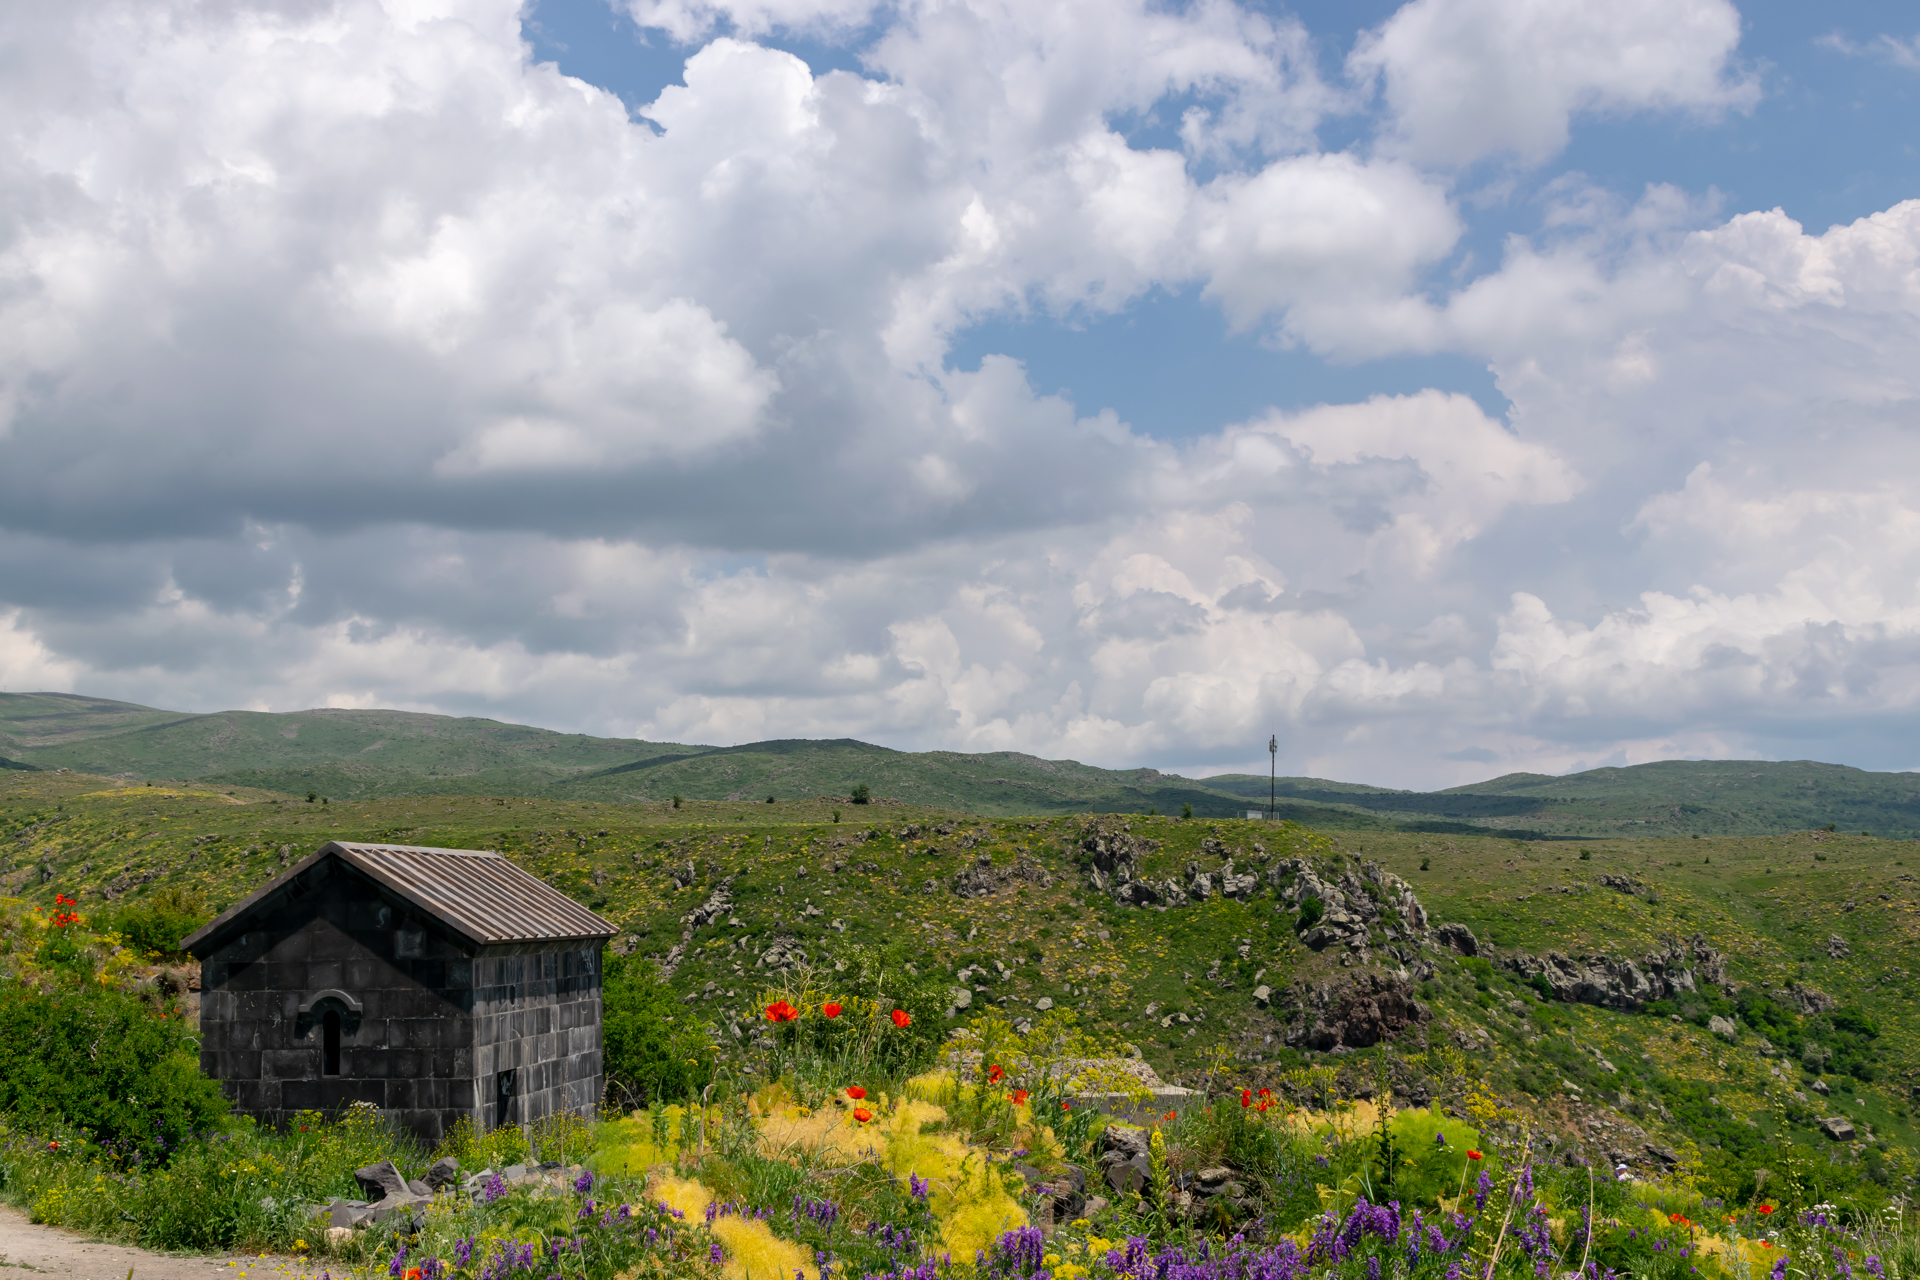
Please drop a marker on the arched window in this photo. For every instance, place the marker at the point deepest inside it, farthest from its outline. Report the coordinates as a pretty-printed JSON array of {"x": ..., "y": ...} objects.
[{"x": 330, "y": 1043}]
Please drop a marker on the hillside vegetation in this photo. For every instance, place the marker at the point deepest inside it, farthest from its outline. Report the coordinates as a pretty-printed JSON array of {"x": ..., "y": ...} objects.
[
  {"x": 1813, "y": 933},
  {"x": 364, "y": 755}
]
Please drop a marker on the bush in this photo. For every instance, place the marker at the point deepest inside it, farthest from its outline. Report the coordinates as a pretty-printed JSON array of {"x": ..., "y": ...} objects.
[
  {"x": 88, "y": 1057},
  {"x": 156, "y": 925},
  {"x": 653, "y": 1046}
]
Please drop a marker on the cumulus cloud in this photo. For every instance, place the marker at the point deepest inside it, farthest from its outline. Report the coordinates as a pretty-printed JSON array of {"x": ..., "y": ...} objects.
[
  {"x": 1465, "y": 79},
  {"x": 349, "y": 357}
]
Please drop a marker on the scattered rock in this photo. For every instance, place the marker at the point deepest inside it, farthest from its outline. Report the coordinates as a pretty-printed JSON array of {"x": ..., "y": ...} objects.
[
  {"x": 1837, "y": 948},
  {"x": 1457, "y": 937},
  {"x": 444, "y": 1173},
  {"x": 1839, "y": 1128},
  {"x": 1124, "y": 1159},
  {"x": 1043, "y": 1004},
  {"x": 381, "y": 1182},
  {"x": 1263, "y": 995},
  {"x": 1820, "y": 1087},
  {"x": 1723, "y": 1027}
]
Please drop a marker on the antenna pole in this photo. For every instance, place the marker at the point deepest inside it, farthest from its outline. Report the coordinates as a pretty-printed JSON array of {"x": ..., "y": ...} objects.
[{"x": 1273, "y": 773}]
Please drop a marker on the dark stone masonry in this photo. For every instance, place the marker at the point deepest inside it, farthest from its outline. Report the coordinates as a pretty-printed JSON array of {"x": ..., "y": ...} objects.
[{"x": 434, "y": 984}]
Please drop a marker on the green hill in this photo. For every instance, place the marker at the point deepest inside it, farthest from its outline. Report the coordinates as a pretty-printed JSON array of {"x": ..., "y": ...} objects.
[
  {"x": 1668, "y": 798},
  {"x": 1818, "y": 932},
  {"x": 363, "y": 755}
]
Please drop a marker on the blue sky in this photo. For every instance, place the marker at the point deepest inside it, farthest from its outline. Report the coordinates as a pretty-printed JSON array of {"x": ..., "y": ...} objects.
[
  {"x": 1830, "y": 141},
  {"x": 1450, "y": 388}
]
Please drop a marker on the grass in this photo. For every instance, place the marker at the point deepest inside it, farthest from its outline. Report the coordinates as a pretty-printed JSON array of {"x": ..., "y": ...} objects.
[{"x": 1770, "y": 904}]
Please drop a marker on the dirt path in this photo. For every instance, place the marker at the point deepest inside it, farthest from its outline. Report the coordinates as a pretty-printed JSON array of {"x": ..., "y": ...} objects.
[{"x": 26, "y": 1249}]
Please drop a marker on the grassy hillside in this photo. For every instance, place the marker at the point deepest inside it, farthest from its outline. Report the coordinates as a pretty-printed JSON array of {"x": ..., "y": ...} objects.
[
  {"x": 364, "y": 755},
  {"x": 1668, "y": 798},
  {"x": 1831, "y": 912}
]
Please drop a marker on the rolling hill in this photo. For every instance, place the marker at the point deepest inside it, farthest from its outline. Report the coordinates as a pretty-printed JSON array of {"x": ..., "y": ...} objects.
[{"x": 362, "y": 755}]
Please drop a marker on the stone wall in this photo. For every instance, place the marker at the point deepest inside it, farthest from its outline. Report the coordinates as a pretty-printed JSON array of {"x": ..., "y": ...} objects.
[{"x": 537, "y": 1017}]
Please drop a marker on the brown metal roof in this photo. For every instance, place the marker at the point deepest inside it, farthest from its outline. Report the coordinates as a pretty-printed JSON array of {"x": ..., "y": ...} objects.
[{"x": 479, "y": 894}]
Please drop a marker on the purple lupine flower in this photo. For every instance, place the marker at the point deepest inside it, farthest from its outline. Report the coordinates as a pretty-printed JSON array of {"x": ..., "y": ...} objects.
[
  {"x": 583, "y": 1183},
  {"x": 399, "y": 1263},
  {"x": 1780, "y": 1267},
  {"x": 1872, "y": 1265},
  {"x": 495, "y": 1188},
  {"x": 1439, "y": 1139},
  {"x": 715, "y": 1254},
  {"x": 1482, "y": 1188}
]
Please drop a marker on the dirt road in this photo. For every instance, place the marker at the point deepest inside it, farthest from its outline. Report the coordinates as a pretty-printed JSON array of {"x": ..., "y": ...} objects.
[{"x": 28, "y": 1249}]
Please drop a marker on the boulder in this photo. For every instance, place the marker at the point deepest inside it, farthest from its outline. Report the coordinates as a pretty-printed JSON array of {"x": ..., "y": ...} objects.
[
  {"x": 1356, "y": 1012},
  {"x": 1723, "y": 1027},
  {"x": 418, "y": 1188},
  {"x": 1457, "y": 937},
  {"x": 1837, "y": 948},
  {"x": 382, "y": 1182},
  {"x": 1043, "y": 1004},
  {"x": 1263, "y": 995},
  {"x": 444, "y": 1173},
  {"x": 1239, "y": 887},
  {"x": 1125, "y": 1161},
  {"x": 1839, "y": 1128}
]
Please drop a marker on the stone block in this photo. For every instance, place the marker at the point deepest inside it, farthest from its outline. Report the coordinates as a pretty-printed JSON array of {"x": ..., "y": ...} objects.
[{"x": 289, "y": 1064}]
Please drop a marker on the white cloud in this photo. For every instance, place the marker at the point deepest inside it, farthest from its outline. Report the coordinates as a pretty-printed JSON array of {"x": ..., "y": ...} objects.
[
  {"x": 348, "y": 358},
  {"x": 1465, "y": 79}
]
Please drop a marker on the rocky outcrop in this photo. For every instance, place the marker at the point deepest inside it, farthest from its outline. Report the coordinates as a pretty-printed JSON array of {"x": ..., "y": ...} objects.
[
  {"x": 983, "y": 879},
  {"x": 1361, "y": 903},
  {"x": 1610, "y": 982},
  {"x": 1457, "y": 937},
  {"x": 1355, "y": 1012},
  {"x": 1805, "y": 1000}
]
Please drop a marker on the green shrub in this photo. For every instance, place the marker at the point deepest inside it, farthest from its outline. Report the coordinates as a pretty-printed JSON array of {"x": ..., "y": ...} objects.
[
  {"x": 1426, "y": 1169},
  {"x": 654, "y": 1046},
  {"x": 155, "y": 925},
  {"x": 82, "y": 1056}
]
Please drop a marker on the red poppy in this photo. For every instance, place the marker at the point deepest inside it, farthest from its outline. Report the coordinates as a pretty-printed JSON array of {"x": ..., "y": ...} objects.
[
  {"x": 53, "y": 1146},
  {"x": 862, "y": 1114},
  {"x": 1266, "y": 1093},
  {"x": 996, "y": 1073},
  {"x": 781, "y": 1011},
  {"x": 855, "y": 1092},
  {"x": 413, "y": 1273},
  {"x": 1065, "y": 1105},
  {"x": 1263, "y": 1106},
  {"x": 901, "y": 1018},
  {"x": 62, "y": 900},
  {"x": 1019, "y": 1097},
  {"x": 1246, "y": 1097},
  {"x": 1168, "y": 1117},
  {"x": 1766, "y": 1208},
  {"x": 1674, "y": 1217},
  {"x": 831, "y": 1009},
  {"x": 1473, "y": 1155}
]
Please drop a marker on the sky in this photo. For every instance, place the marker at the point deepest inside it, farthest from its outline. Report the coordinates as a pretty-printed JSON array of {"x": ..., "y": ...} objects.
[{"x": 1446, "y": 389}]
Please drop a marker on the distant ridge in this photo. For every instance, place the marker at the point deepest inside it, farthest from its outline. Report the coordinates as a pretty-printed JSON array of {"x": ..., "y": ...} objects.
[{"x": 352, "y": 754}]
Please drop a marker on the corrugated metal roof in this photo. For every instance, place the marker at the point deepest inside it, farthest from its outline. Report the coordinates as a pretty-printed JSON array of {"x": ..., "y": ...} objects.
[{"x": 480, "y": 894}]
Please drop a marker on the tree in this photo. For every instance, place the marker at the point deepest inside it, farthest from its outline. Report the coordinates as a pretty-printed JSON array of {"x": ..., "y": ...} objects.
[{"x": 861, "y": 795}]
